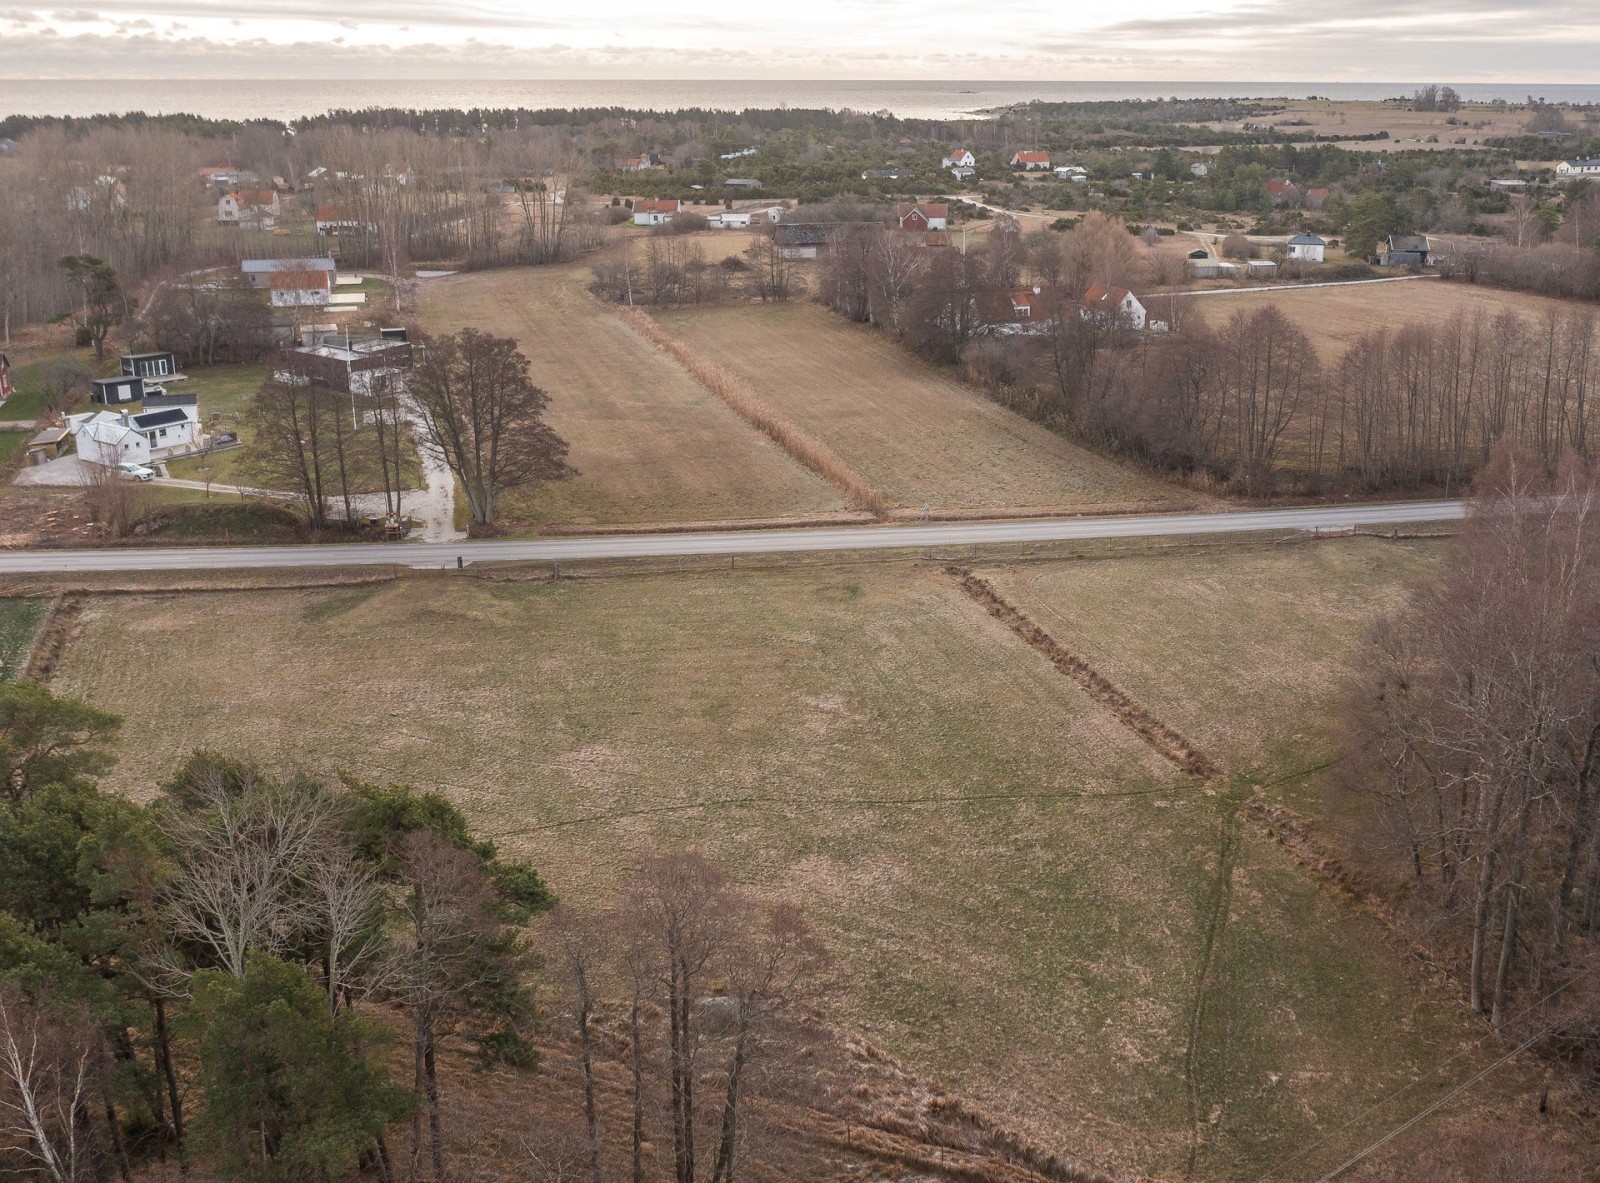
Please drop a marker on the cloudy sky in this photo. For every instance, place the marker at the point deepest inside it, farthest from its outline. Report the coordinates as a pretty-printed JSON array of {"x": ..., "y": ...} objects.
[{"x": 1403, "y": 40}]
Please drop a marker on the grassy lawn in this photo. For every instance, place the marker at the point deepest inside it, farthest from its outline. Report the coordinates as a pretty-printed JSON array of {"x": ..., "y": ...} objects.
[
  {"x": 649, "y": 442},
  {"x": 11, "y": 444},
  {"x": 909, "y": 429},
  {"x": 226, "y": 393},
  {"x": 1019, "y": 890},
  {"x": 19, "y": 622}
]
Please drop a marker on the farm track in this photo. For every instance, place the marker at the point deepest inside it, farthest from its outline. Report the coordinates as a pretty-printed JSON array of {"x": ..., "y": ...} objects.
[{"x": 1216, "y": 924}]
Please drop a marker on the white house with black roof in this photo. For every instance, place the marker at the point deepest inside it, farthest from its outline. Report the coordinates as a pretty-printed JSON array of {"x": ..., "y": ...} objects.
[
  {"x": 1309, "y": 247},
  {"x": 1579, "y": 168}
]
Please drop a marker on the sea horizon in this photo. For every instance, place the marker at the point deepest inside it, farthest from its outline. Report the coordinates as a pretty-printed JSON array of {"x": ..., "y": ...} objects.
[{"x": 287, "y": 99}]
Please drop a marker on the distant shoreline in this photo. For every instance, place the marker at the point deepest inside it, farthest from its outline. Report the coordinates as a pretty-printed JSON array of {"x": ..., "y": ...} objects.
[{"x": 957, "y": 100}]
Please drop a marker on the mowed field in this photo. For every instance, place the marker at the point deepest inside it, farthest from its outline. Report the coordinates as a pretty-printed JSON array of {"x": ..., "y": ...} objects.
[
  {"x": 911, "y": 431},
  {"x": 1335, "y": 316},
  {"x": 650, "y": 444},
  {"x": 1022, "y": 893}
]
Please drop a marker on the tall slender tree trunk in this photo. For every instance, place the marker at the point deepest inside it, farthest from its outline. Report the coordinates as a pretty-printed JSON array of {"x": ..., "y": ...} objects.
[
  {"x": 722, "y": 1172},
  {"x": 637, "y": 1052},
  {"x": 435, "y": 1132},
  {"x": 174, "y": 1101},
  {"x": 1508, "y": 935}
]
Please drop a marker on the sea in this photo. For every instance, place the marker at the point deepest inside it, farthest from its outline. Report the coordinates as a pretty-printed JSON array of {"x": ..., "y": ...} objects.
[{"x": 289, "y": 99}]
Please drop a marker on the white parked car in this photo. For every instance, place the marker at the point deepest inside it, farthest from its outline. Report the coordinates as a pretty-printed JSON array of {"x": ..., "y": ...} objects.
[{"x": 130, "y": 471}]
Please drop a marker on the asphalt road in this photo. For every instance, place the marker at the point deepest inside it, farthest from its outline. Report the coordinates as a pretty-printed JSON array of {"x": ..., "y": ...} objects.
[{"x": 730, "y": 542}]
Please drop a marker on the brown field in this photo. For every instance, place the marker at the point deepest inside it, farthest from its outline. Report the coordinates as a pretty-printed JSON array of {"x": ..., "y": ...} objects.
[
  {"x": 1407, "y": 130},
  {"x": 1241, "y": 649},
  {"x": 1020, "y": 891},
  {"x": 1335, "y": 316},
  {"x": 911, "y": 431},
  {"x": 650, "y": 443}
]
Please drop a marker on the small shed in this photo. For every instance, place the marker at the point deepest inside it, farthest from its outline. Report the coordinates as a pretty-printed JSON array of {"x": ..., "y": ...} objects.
[
  {"x": 1200, "y": 253},
  {"x": 1261, "y": 268},
  {"x": 150, "y": 365},
  {"x": 111, "y": 392},
  {"x": 48, "y": 445}
]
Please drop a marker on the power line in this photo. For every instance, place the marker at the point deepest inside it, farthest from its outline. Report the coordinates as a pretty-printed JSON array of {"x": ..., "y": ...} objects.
[{"x": 1440, "y": 1103}]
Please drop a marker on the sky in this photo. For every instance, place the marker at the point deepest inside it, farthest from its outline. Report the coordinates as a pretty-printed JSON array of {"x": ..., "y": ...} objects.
[{"x": 1459, "y": 41}]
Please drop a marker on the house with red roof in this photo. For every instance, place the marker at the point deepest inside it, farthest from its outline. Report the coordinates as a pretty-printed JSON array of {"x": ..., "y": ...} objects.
[
  {"x": 1031, "y": 161},
  {"x": 1117, "y": 307},
  {"x": 258, "y": 206},
  {"x": 959, "y": 158},
  {"x": 932, "y": 215},
  {"x": 655, "y": 211},
  {"x": 1282, "y": 191}
]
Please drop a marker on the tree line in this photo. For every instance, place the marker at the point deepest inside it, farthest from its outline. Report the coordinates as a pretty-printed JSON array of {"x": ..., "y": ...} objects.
[
  {"x": 1246, "y": 400},
  {"x": 1472, "y": 728},
  {"x": 262, "y": 975}
]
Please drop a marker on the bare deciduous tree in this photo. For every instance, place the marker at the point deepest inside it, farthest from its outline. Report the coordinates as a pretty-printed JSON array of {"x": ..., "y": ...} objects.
[{"x": 483, "y": 417}]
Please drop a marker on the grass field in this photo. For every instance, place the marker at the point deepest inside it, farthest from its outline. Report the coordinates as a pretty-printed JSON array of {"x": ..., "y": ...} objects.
[
  {"x": 1020, "y": 890},
  {"x": 650, "y": 444},
  {"x": 19, "y": 622},
  {"x": 911, "y": 431},
  {"x": 1240, "y": 648},
  {"x": 1407, "y": 129},
  {"x": 1336, "y": 316}
]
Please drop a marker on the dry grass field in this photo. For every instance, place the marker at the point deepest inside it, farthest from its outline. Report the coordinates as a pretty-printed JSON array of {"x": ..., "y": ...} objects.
[
  {"x": 916, "y": 434},
  {"x": 1336, "y": 316},
  {"x": 1407, "y": 129},
  {"x": 650, "y": 444},
  {"x": 1241, "y": 648},
  {"x": 1021, "y": 892}
]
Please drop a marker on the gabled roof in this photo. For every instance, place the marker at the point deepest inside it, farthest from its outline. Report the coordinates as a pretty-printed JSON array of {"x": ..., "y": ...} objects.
[
  {"x": 1408, "y": 242},
  {"x": 264, "y": 266},
  {"x": 1307, "y": 240},
  {"x": 1032, "y": 157},
  {"x": 1106, "y": 298},
  {"x": 114, "y": 434},
  {"x": 798, "y": 234},
  {"x": 656, "y": 205},
  {"x": 1589, "y": 162},
  {"x": 162, "y": 418},
  {"x": 1279, "y": 185},
  {"x": 929, "y": 209}
]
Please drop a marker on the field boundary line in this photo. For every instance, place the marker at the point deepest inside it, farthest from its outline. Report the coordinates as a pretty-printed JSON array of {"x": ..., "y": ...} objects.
[
  {"x": 1157, "y": 733},
  {"x": 810, "y": 453},
  {"x": 50, "y": 642}
]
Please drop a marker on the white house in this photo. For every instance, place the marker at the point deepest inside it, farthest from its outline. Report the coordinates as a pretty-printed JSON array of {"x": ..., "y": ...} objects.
[
  {"x": 1113, "y": 306},
  {"x": 1579, "y": 168},
  {"x": 1071, "y": 172},
  {"x": 340, "y": 219},
  {"x": 106, "y": 438},
  {"x": 248, "y": 205},
  {"x": 959, "y": 158},
  {"x": 170, "y": 429},
  {"x": 654, "y": 211},
  {"x": 730, "y": 220},
  {"x": 1308, "y": 247},
  {"x": 1031, "y": 161},
  {"x": 1199, "y": 168},
  {"x": 308, "y": 287},
  {"x": 260, "y": 271}
]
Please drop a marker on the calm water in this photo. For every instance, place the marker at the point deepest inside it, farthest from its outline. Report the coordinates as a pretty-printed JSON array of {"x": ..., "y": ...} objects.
[{"x": 279, "y": 99}]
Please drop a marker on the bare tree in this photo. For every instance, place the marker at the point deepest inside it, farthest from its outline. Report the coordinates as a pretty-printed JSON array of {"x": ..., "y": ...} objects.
[
  {"x": 483, "y": 417},
  {"x": 581, "y": 945},
  {"x": 46, "y": 1059},
  {"x": 242, "y": 860}
]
